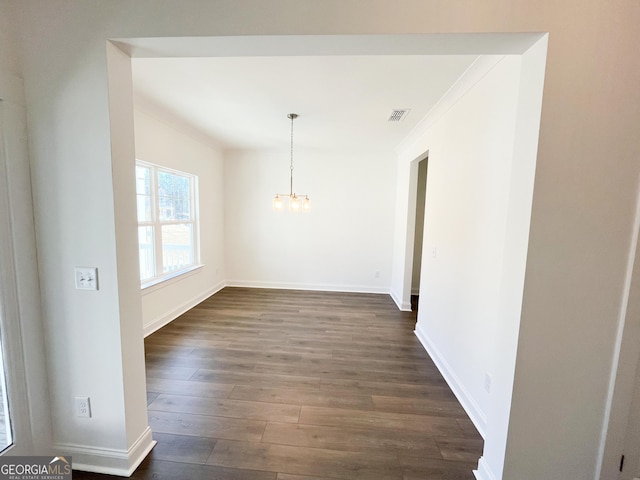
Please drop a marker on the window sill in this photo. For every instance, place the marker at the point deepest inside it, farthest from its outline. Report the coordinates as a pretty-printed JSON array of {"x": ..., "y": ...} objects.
[{"x": 158, "y": 283}]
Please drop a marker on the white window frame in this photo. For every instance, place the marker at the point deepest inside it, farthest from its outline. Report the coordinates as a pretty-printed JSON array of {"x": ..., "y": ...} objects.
[{"x": 156, "y": 223}]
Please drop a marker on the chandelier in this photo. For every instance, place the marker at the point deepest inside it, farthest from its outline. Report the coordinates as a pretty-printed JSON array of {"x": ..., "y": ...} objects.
[{"x": 297, "y": 203}]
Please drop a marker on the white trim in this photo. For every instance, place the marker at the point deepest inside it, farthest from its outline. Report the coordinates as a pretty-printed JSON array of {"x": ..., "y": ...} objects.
[
  {"x": 123, "y": 462},
  {"x": 409, "y": 237},
  {"x": 402, "y": 306},
  {"x": 161, "y": 282},
  {"x": 623, "y": 376},
  {"x": 484, "y": 472},
  {"x": 308, "y": 286},
  {"x": 110, "y": 461},
  {"x": 510, "y": 43},
  {"x": 12, "y": 384},
  {"x": 156, "y": 223},
  {"x": 474, "y": 411},
  {"x": 168, "y": 317},
  {"x": 19, "y": 319},
  {"x": 8, "y": 430}
]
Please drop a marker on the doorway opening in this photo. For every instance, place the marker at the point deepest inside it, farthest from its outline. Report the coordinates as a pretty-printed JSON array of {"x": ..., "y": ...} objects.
[
  {"x": 421, "y": 196},
  {"x": 404, "y": 224}
]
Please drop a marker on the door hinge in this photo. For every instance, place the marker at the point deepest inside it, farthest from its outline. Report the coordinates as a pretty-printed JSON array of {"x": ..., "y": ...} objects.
[{"x": 621, "y": 462}]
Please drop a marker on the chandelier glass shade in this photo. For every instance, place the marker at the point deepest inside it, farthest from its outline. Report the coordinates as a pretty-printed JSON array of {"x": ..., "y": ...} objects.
[{"x": 296, "y": 202}]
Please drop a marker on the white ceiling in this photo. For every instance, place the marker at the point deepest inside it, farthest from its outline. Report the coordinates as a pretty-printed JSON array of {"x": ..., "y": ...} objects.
[{"x": 343, "y": 101}]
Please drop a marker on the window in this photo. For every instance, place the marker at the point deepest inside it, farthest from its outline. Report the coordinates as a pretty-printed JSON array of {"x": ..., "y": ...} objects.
[{"x": 167, "y": 222}]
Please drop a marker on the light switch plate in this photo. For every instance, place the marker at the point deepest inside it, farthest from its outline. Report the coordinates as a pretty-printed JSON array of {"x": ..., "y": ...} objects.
[{"x": 86, "y": 278}]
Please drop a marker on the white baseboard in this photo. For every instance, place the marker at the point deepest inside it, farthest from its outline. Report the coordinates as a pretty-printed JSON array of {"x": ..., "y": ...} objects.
[
  {"x": 109, "y": 460},
  {"x": 476, "y": 415},
  {"x": 483, "y": 472},
  {"x": 158, "y": 323},
  {"x": 168, "y": 317},
  {"x": 308, "y": 286},
  {"x": 402, "y": 306}
]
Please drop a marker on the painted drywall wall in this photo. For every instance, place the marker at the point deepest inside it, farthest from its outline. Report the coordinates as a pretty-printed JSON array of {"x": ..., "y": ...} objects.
[
  {"x": 82, "y": 234},
  {"x": 344, "y": 243},
  {"x": 624, "y": 413},
  {"x": 137, "y": 434},
  {"x": 582, "y": 214},
  {"x": 630, "y": 444},
  {"x": 164, "y": 142},
  {"x": 8, "y": 41},
  {"x": 465, "y": 224},
  {"x": 465, "y": 232},
  {"x": 510, "y": 133}
]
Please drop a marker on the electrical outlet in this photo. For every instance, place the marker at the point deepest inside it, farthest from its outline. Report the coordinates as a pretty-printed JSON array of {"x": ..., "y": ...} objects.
[
  {"x": 83, "y": 407},
  {"x": 86, "y": 278}
]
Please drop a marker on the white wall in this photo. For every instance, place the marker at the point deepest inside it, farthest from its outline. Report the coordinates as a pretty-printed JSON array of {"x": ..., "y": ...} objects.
[
  {"x": 163, "y": 142},
  {"x": 9, "y": 60},
  {"x": 340, "y": 244},
  {"x": 583, "y": 203},
  {"x": 479, "y": 194},
  {"x": 131, "y": 435},
  {"x": 471, "y": 151}
]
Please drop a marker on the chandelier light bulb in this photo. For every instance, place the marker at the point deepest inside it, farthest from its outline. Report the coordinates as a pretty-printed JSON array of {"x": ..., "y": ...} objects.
[{"x": 294, "y": 204}]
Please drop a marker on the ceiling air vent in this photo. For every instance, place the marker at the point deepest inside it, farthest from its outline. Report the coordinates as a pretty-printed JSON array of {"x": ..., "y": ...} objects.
[{"x": 398, "y": 115}]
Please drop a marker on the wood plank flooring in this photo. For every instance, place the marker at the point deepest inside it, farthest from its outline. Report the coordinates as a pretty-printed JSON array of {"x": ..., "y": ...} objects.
[{"x": 259, "y": 384}]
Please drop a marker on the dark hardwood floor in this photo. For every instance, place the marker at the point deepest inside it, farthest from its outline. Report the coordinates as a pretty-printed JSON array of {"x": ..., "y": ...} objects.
[{"x": 289, "y": 385}]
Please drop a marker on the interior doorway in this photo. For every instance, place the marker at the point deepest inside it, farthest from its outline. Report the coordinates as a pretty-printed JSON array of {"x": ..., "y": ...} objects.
[{"x": 421, "y": 196}]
